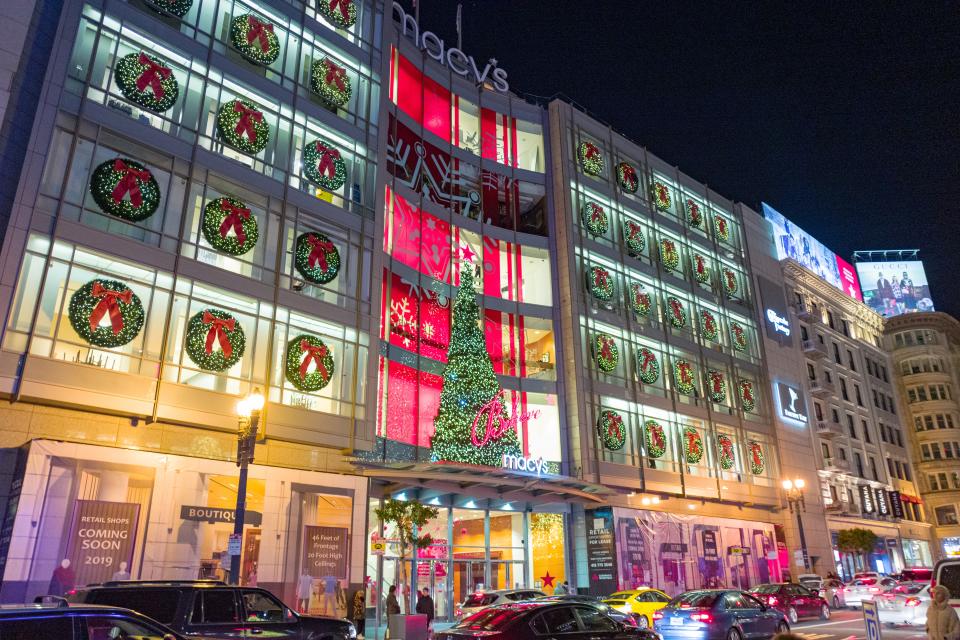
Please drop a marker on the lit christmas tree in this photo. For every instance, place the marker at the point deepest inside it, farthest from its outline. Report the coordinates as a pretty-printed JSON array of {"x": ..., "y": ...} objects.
[{"x": 472, "y": 425}]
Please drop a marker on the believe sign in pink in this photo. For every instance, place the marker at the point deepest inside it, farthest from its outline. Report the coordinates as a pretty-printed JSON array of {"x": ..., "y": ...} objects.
[{"x": 495, "y": 428}]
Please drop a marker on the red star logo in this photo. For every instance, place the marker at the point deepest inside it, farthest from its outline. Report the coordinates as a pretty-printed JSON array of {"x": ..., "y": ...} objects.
[
  {"x": 548, "y": 579},
  {"x": 467, "y": 253}
]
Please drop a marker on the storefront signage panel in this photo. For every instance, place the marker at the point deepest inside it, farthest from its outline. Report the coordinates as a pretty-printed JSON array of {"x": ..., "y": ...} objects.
[
  {"x": 883, "y": 508},
  {"x": 214, "y": 514},
  {"x": 601, "y": 552},
  {"x": 325, "y": 551},
  {"x": 776, "y": 320},
  {"x": 792, "y": 403},
  {"x": 866, "y": 499},
  {"x": 102, "y": 535},
  {"x": 896, "y": 504},
  {"x": 455, "y": 59}
]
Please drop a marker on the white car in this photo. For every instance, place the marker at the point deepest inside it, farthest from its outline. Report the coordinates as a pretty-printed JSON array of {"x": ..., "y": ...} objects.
[
  {"x": 947, "y": 573},
  {"x": 904, "y": 604},
  {"x": 866, "y": 588},
  {"x": 830, "y": 589},
  {"x": 483, "y": 599}
]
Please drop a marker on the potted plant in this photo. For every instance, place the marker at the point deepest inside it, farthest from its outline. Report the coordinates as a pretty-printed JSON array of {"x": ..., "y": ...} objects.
[{"x": 407, "y": 518}]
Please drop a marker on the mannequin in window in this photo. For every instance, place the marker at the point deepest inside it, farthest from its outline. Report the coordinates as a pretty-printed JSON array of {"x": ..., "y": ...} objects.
[{"x": 122, "y": 573}]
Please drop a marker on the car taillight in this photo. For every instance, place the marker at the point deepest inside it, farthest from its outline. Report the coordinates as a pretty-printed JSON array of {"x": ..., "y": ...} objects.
[
  {"x": 658, "y": 615},
  {"x": 458, "y": 612},
  {"x": 845, "y": 590},
  {"x": 701, "y": 617},
  {"x": 874, "y": 589},
  {"x": 772, "y": 601},
  {"x": 913, "y": 602}
]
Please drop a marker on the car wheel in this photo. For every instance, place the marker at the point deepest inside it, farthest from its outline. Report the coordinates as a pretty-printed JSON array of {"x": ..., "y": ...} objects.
[
  {"x": 783, "y": 627},
  {"x": 643, "y": 622},
  {"x": 836, "y": 602},
  {"x": 733, "y": 634},
  {"x": 824, "y": 612},
  {"x": 792, "y": 615}
]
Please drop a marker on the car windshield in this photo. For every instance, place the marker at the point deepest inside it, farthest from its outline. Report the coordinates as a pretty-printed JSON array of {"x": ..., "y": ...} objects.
[
  {"x": 766, "y": 589},
  {"x": 491, "y": 619},
  {"x": 704, "y": 599},
  {"x": 909, "y": 589},
  {"x": 480, "y": 600},
  {"x": 865, "y": 582}
]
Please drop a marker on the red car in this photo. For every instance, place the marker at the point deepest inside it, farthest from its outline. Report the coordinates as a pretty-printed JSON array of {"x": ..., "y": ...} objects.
[{"x": 794, "y": 600}]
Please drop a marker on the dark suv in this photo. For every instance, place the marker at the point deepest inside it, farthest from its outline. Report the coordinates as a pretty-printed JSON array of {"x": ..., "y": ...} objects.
[
  {"x": 60, "y": 621},
  {"x": 213, "y": 609}
]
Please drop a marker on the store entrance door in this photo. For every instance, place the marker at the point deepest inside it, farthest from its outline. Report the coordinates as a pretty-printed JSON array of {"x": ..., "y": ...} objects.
[
  {"x": 507, "y": 574},
  {"x": 432, "y": 574},
  {"x": 468, "y": 577}
]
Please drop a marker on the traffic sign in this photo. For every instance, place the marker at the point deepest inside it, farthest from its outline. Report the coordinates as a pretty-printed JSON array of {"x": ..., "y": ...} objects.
[
  {"x": 871, "y": 619},
  {"x": 233, "y": 544}
]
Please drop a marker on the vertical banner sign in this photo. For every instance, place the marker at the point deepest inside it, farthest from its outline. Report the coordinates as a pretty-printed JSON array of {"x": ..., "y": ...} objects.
[
  {"x": 325, "y": 551},
  {"x": 881, "y": 501},
  {"x": 866, "y": 499},
  {"x": 897, "y": 504},
  {"x": 601, "y": 551},
  {"x": 709, "y": 539},
  {"x": 102, "y": 535}
]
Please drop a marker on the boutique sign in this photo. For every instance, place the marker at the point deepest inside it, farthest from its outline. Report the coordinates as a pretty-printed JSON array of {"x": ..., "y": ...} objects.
[{"x": 453, "y": 58}]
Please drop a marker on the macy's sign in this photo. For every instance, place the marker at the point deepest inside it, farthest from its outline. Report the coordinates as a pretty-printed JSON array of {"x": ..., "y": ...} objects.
[{"x": 458, "y": 62}]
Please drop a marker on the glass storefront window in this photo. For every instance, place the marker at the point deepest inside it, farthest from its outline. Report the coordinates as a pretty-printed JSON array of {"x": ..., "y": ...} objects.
[{"x": 548, "y": 542}]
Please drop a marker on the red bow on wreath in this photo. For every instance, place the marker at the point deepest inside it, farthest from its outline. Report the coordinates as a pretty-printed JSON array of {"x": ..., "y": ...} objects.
[
  {"x": 717, "y": 380},
  {"x": 234, "y": 220},
  {"x": 701, "y": 267},
  {"x": 336, "y": 75},
  {"x": 648, "y": 357},
  {"x": 726, "y": 448},
  {"x": 261, "y": 31},
  {"x": 683, "y": 369},
  {"x": 129, "y": 183},
  {"x": 315, "y": 355},
  {"x": 318, "y": 252},
  {"x": 756, "y": 455},
  {"x": 600, "y": 278},
  {"x": 746, "y": 389},
  {"x": 708, "y": 322},
  {"x": 677, "y": 308},
  {"x": 153, "y": 76},
  {"x": 614, "y": 425},
  {"x": 591, "y": 152},
  {"x": 108, "y": 304},
  {"x": 327, "y": 158},
  {"x": 218, "y": 331},
  {"x": 606, "y": 349},
  {"x": 662, "y": 193},
  {"x": 634, "y": 230},
  {"x": 629, "y": 175},
  {"x": 639, "y": 297},
  {"x": 343, "y": 5},
  {"x": 244, "y": 123},
  {"x": 597, "y": 215},
  {"x": 693, "y": 438}
]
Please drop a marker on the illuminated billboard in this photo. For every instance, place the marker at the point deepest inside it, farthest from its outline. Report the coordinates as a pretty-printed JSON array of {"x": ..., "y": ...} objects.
[
  {"x": 892, "y": 288},
  {"x": 793, "y": 242}
]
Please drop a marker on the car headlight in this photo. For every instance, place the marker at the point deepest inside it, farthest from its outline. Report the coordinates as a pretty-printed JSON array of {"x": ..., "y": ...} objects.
[{"x": 351, "y": 631}]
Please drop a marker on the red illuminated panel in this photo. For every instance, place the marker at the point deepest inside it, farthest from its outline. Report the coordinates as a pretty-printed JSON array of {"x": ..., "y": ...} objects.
[
  {"x": 417, "y": 320},
  {"x": 412, "y": 400},
  {"x": 436, "y": 108},
  {"x": 848, "y": 279},
  {"x": 406, "y": 86}
]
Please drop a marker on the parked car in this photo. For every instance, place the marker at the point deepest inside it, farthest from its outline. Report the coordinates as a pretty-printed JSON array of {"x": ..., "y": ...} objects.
[
  {"x": 628, "y": 619},
  {"x": 795, "y": 601},
  {"x": 858, "y": 590},
  {"x": 482, "y": 599},
  {"x": 914, "y": 574},
  {"x": 542, "y": 618},
  {"x": 947, "y": 573},
  {"x": 59, "y": 620},
  {"x": 718, "y": 614},
  {"x": 641, "y": 602},
  {"x": 830, "y": 589},
  {"x": 904, "y": 604},
  {"x": 211, "y": 608}
]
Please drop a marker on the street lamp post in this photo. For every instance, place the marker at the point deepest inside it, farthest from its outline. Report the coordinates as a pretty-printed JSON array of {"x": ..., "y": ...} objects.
[
  {"x": 248, "y": 414},
  {"x": 794, "y": 492}
]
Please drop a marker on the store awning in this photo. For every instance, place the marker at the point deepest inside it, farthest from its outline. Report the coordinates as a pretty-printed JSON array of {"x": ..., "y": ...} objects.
[{"x": 485, "y": 482}]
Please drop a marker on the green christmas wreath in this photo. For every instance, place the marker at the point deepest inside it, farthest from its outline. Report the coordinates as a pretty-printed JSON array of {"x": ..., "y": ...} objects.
[
  {"x": 727, "y": 456},
  {"x": 147, "y": 81},
  {"x": 627, "y": 178},
  {"x": 694, "y": 214},
  {"x": 309, "y": 365},
  {"x": 730, "y": 282},
  {"x": 591, "y": 158},
  {"x": 692, "y": 445},
  {"x": 106, "y": 313},
  {"x": 254, "y": 38},
  {"x": 717, "y": 386},
  {"x": 342, "y": 13},
  {"x": 701, "y": 272},
  {"x": 594, "y": 218},
  {"x": 329, "y": 80},
  {"x": 648, "y": 368},
  {"x": 633, "y": 238},
  {"x": 708, "y": 325},
  {"x": 683, "y": 376},
  {"x": 739, "y": 336},
  {"x": 606, "y": 352},
  {"x": 669, "y": 255},
  {"x": 661, "y": 195},
  {"x": 125, "y": 189},
  {"x": 600, "y": 283},
  {"x": 242, "y": 126},
  {"x": 323, "y": 165},
  {"x": 640, "y": 300},
  {"x": 757, "y": 462},
  {"x": 316, "y": 257},
  {"x": 611, "y": 430},
  {"x": 678, "y": 316},
  {"x": 176, "y": 8},
  {"x": 721, "y": 228},
  {"x": 215, "y": 340},
  {"x": 747, "y": 399},
  {"x": 656, "y": 438},
  {"x": 229, "y": 226}
]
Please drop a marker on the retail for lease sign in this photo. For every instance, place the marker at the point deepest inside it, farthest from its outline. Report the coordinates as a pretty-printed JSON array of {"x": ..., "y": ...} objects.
[{"x": 102, "y": 535}]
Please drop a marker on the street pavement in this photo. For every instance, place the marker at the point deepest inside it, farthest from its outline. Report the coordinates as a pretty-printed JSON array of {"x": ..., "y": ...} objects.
[{"x": 847, "y": 624}]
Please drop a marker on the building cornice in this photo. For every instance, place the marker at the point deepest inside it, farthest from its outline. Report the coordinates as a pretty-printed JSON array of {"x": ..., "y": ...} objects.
[{"x": 814, "y": 283}]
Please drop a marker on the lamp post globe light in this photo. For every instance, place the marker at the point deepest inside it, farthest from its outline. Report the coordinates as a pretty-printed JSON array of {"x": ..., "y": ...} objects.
[
  {"x": 793, "y": 489},
  {"x": 248, "y": 417}
]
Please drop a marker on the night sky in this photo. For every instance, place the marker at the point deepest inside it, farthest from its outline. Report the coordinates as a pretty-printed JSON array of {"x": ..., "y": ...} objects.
[{"x": 842, "y": 116}]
